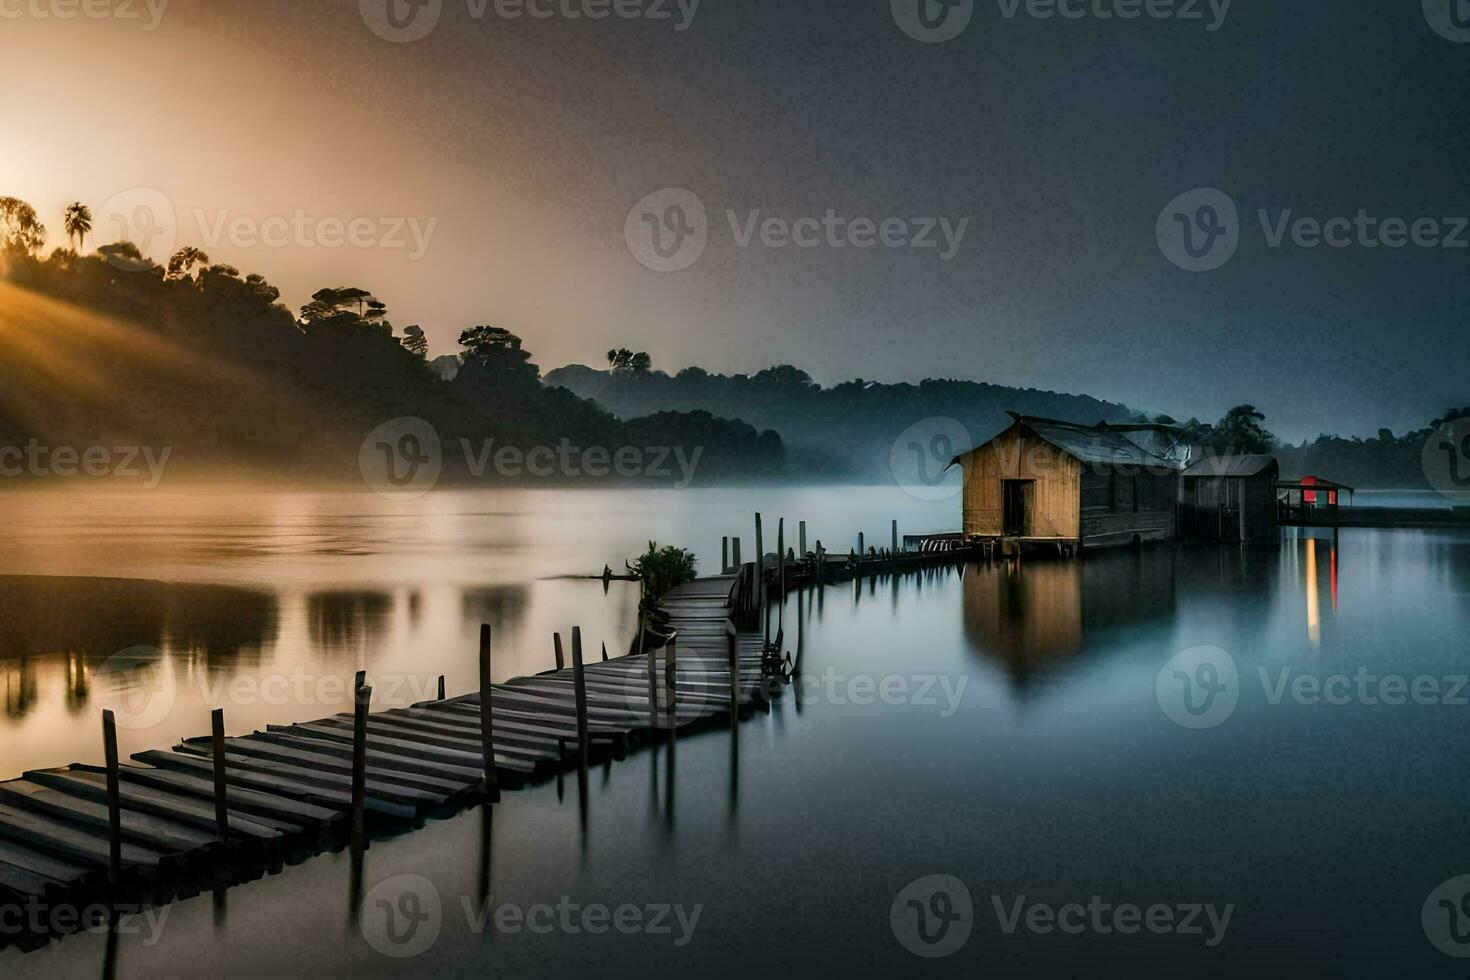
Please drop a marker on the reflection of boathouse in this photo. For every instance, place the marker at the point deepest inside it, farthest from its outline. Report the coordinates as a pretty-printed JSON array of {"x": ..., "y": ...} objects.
[{"x": 1045, "y": 612}]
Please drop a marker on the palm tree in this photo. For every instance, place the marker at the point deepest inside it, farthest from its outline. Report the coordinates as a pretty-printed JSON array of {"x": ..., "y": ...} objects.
[{"x": 78, "y": 223}]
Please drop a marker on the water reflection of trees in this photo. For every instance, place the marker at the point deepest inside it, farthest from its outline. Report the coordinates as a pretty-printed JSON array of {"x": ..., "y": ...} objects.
[
  {"x": 78, "y": 623},
  {"x": 347, "y": 620},
  {"x": 504, "y": 605},
  {"x": 1037, "y": 615}
]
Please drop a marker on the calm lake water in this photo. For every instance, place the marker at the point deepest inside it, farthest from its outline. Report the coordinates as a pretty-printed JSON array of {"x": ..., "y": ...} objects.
[{"x": 1273, "y": 731}]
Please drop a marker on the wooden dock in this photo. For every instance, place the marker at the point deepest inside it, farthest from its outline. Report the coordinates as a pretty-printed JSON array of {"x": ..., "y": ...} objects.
[{"x": 214, "y": 811}]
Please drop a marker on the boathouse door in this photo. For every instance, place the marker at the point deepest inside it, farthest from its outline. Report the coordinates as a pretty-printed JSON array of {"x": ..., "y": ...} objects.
[{"x": 1016, "y": 522}]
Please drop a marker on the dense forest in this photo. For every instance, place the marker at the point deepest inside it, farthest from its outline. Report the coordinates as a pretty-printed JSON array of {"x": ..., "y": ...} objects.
[{"x": 111, "y": 349}]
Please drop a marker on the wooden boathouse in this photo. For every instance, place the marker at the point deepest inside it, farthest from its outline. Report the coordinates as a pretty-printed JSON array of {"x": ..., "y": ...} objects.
[
  {"x": 1044, "y": 481},
  {"x": 1229, "y": 498}
]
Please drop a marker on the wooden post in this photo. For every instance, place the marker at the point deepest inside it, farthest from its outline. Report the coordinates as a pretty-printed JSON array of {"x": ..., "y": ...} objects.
[
  {"x": 652, "y": 666},
  {"x": 732, "y": 643},
  {"x": 441, "y": 687},
  {"x": 724, "y": 554},
  {"x": 781, "y": 570},
  {"x": 760, "y": 573},
  {"x": 221, "y": 804},
  {"x": 671, "y": 681},
  {"x": 360, "y": 680},
  {"x": 114, "y": 798},
  {"x": 579, "y": 691},
  {"x": 362, "y": 697},
  {"x": 735, "y": 552},
  {"x": 561, "y": 660},
  {"x": 861, "y": 551},
  {"x": 801, "y": 534},
  {"x": 487, "y": 723},
  {"x": 895, "y": 539}
]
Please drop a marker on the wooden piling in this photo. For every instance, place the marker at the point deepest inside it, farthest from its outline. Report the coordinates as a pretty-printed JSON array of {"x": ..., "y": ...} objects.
[
  {"x": 359, "y": 681},
  {"x": 441, "y": 687},
  {"x": 781, "y": 570},
  {"x": 114, "y": 798},
  {"x": 561, "y": 660},
  {"x": 732, "y": 648},
  {"x": 895, "y": 539},
  {"x": 671, "y": 677},
  {"x": 801, "y": 535},
  {"x": 362, "y": 698},
  {"x": 735, "y": 552},
  {"x": 861, "y": 550},
  {"x": 760, "y": 575},
  {"x": 487, "y": 724},
  {"x": 579, "y": 690},
  {"x": 221, "y": 803},
  {"x": 724, "y": 555}
]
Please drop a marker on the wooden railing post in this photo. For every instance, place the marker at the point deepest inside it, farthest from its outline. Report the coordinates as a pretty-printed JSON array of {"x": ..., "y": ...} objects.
[
  {"x": 671, "y": 680},
  {"x": 781, "y": 571},
  {"x": 579, "y": 691},
  {"x": 114, "y": 798},
  {"x": 561, "y": 660},
  {"x": 221, "y": 802},
  {"x": 652, "y": 666},
  {"x": 732, "y": 642},
  {"x": 760, "y": 573},
  {"x": 487, "y": 720},
  {"x": 362, "y": 698}
]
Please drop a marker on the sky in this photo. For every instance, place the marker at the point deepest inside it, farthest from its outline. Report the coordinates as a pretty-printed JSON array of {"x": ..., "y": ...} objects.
[{"x": 511, "y": 170}]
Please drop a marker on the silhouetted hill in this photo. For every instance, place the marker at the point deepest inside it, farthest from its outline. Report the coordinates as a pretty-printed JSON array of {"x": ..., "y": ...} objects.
[
  {"x": 113, "y": 353},
  {"x": 849, "y": 429}
]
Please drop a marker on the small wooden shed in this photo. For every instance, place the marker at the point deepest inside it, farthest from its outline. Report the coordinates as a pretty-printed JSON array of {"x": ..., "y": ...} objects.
[
  {"x": 1044, "y": 480},
  {"x": 1229, "y": 498}
]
